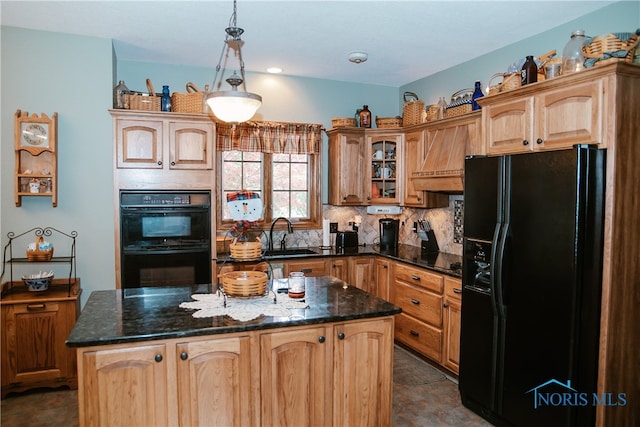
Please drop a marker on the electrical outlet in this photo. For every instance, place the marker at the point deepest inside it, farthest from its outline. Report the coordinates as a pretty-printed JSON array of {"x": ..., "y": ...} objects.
[
  {"x": 415, "y": 227},
  {"x": 333, "y": 227}
]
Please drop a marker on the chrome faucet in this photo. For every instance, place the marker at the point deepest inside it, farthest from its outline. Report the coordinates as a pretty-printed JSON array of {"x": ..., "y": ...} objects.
[{"x": 282, "y": 242}]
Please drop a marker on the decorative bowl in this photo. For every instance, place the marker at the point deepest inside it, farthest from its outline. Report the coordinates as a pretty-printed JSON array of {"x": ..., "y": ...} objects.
[{"x": 38, "y": 282}]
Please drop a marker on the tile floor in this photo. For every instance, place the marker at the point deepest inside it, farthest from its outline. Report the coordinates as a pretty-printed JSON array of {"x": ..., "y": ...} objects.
[{"x": 423, "y": 397}]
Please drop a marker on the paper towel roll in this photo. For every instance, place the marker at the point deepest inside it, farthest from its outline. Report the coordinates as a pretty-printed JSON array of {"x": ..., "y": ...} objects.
[{"x": 326, "y": 234}]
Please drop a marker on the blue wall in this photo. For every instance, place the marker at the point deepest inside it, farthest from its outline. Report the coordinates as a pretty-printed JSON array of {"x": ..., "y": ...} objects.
[{"x": 74, "y": 76}]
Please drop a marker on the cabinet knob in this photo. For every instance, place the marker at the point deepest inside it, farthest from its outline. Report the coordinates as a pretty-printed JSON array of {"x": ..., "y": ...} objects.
[
  {"x": 344, "y": 199},
  {"x": 173, "y": 163},
  {"x": 321, "y": 339},
  {"x": 341, "y": 335},
  {"x": 539, "y": 141},
  {"x": 184, "y": 355},
  {"x": 415, "y": 301},
  {"x": 419, "y": 199},
  {"x": 158, "y": 358},
  {"x": 525, "y": 142},
  {"x": 159, "y": 162},
  {"x": 384, "y": 266},
  {"x": 445, "y": 305},
  {"x": 415, "y": 277}
]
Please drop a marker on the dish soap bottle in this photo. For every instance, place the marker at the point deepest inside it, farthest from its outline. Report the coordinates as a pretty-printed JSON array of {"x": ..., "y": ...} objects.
[
  {"x": 477, "y": 93},
  {"x": 529, "y": 71},
  {"x": 165, "y": 102},
  {"x": 365, "y": 117},
  {"x": 572, "y": 58}
]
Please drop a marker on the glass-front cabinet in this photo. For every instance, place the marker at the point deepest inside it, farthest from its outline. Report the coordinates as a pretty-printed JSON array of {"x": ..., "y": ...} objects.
[{"x": 385, "y": 150}]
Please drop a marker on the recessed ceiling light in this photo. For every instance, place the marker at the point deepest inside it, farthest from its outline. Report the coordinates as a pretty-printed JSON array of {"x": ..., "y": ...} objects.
[
  {"x": 358, "y": 57},
  {"x": 274, "y": 70}
]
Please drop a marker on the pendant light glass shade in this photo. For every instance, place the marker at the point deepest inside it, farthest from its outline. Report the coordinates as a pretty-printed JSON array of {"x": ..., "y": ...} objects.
[{"x": 233, "y": 106}]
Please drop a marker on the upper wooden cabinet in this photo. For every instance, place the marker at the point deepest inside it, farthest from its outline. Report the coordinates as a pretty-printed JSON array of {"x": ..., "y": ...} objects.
[
  {"x": 546, "y": 116},
  {"x": 347, "y": 154}
]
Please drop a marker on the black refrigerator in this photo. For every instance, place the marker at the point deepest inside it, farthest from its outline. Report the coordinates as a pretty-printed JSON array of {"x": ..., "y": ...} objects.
[{"x": 532, "y": 251}]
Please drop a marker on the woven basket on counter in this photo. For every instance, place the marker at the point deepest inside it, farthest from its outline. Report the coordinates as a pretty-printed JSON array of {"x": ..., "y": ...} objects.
[
  {"x": 244, "y": 283},
  {"x": 245, "y": 251},
  {"x": 388, "y": 122},
  {"x": 39, "y": 255},
  {"x": 341, "y": 122},
  {"x": 413, "y": 112},
  {"x": 145, "y": 101},
  {"x": 460, "y": 103},
  {"x": 190, "y": 102},
  {"x": 607, "y": 48}
]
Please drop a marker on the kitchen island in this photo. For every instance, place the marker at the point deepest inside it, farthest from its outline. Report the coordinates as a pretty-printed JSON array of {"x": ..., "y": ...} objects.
[{"x": 143, "y": 360}]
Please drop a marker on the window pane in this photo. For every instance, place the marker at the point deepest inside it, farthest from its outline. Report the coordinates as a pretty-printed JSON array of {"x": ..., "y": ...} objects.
[
  {"x": 280, "y": 157},
  {"x": 232, "y": 175},
  {"x": 299, "y": 176},
  {"x": 299, "y": 204},
  {"x": 280, "y": 179},
  {"x": 231, "y": 155},
  {"x": 238, "y": 173},
  {"x": 280, "y": 204},
  {"x": 302, "y": 158},
  {"x": 251, "y": 156},
  {"x": 252, "y": 176}
]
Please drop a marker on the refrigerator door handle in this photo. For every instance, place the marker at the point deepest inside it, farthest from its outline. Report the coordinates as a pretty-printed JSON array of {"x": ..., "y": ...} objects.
[
  {"x": 494, "y": 266},
  {"x": 499, "y": 285}
]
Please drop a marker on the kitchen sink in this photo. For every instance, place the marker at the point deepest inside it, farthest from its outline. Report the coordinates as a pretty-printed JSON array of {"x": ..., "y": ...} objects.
[{"x": 282, "y": 253}]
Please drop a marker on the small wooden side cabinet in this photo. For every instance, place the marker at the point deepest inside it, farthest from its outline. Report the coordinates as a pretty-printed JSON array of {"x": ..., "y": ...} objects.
[{"x": 35, "y": 326}]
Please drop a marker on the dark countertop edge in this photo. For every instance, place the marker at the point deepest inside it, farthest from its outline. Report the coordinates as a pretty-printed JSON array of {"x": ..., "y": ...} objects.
[
  {"x": 229, "y": 330},
  {"x": 368, "y": 250}
]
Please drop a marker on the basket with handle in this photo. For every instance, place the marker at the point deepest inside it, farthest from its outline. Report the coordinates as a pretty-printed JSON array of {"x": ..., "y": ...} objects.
[
  {"x": 38, "y": 254},
  {"x": 190, "y": 102},
  {"x": 607, "y": 48},
  {"x": 388, "y": 122},
  {"x": 245, "y": 251},
  {"x": 244, "y": 283},
  {"x": 461, "y": 103},
  {"x": 341, "y": 122},
  {"x": 145, "y": 101},
  {"x": 511, "y": 81},
  {"x": 413, "y": 111}
]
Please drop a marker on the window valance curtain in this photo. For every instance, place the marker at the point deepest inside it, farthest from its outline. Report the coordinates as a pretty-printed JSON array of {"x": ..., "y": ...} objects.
[{"x": 270, "y": 137}]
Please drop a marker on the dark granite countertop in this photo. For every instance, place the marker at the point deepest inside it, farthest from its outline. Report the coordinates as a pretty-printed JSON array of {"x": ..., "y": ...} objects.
[
  {"x": 145, "y": 314},
  {"x": 442, "y": 262}
]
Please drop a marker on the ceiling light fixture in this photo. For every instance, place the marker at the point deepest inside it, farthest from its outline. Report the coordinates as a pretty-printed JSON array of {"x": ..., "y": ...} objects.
[
  {"x": 232, "y": 106},
  {"x": 274, "y": 70},
  {"x": 358, "y": 57}
]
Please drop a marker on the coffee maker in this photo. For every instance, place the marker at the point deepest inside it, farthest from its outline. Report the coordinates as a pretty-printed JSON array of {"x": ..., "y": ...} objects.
[{"x": 389, "y": 230}]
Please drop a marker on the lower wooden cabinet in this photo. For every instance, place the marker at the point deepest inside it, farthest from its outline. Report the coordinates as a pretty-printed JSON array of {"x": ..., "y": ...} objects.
[
  {"x": 35, "y": 327},
  {"x": 382, "y": 275},
  {"x": 361, "y": 274},
  {"x": 331, "y": 374},
  {"x": 452, "y": 317}
]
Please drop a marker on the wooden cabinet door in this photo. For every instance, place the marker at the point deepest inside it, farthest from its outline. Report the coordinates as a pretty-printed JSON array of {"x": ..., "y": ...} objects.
[
  {"x": 508, "y": 126},
  {"x": 361, "y": 274},
  {"x": 338, "y": 267},
  {"x": 214, "y": 382},
  {"x": 310, "y": 267},
  {"x": 33, "y": 343},
  {"x": 139, "y": 144},
  {"x": 295, "y": 378},
  {"x": 347, "y": 167},
  {"x": 452, "y": 315},
  {"x": 124, "y": 386},
  {"x": 570, "y": 115},
  {"x": 383, "y": 277},
  {"x": 363, "y": 366},
  {"x": 414, "y": 150},
  {"x": 191, "y": 145}
]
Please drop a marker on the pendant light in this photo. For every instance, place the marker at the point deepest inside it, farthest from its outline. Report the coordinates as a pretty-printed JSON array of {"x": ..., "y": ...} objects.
[{"x": 232, "y": 106}]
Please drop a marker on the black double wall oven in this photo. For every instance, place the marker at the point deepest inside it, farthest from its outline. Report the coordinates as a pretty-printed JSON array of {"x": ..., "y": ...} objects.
[{"x": 165, "y": 238}]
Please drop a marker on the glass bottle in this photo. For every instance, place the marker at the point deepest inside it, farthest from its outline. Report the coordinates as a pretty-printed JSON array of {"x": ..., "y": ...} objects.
[
  {"x": 442, "y": 107},
  {"x": 205, "y": 94},
  {"x": 296, "y": 284},
  {"x": 120, "y": 93},
  {"x": 365, "y": 117},
  {"x": 165, "y": 102},
  {"x": 477, "y": 93},
  {"x": 572, "y": 58},
  {"x": 529, "y": 71}
]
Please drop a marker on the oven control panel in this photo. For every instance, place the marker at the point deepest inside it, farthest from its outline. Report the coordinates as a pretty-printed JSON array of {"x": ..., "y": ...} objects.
[{"x": 146, "y": 198}]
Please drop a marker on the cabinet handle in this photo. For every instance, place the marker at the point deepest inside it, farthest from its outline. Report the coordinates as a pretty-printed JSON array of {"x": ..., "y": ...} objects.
[
  {"x": 419, "y": 199},
  {"x": 445, "y": 305},
  {"x": 457, "y": 290},
  {"x": 159, "y": 162},
  {"x": 36, "y": 307},
  {"x": 384, "y": 266},
  {"x": 341, "y": 335},
  {"x": 173, "y": 163},
  {"x": 414, "y": 333},
  {"x": 415, "y": 301},
  {"x": 525, "y": 142},
  {"x": 184, "y": 355},
  {"x": 344, "y": 199},
  {"x": 414, "y": 277},
  {"x": 539, "y": 141},
  {"x": 306, "y": 270},
  {"x": 158, "y": 358},
  {"x": 321, "y": 339}
]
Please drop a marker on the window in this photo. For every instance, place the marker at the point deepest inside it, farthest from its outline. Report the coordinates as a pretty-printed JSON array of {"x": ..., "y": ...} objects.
[{"x": 289, "y": 185}]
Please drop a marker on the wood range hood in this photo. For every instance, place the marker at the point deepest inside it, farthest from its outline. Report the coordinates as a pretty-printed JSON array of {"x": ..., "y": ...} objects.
[{"x": 446, "y": 145}]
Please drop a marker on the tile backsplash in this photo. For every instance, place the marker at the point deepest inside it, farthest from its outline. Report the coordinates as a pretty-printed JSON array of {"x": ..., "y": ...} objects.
[{"x": 445, "y": 222}]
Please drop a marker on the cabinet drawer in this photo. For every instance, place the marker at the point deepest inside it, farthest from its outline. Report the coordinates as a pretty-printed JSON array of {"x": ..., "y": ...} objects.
[
  {"x": 308, "y": 267},
  {"x": 453, "y": 288},
  {"x": 419, "y": 277},
  {"x": 421, "y": 304},
  {"x": 418, "y": 335}
]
